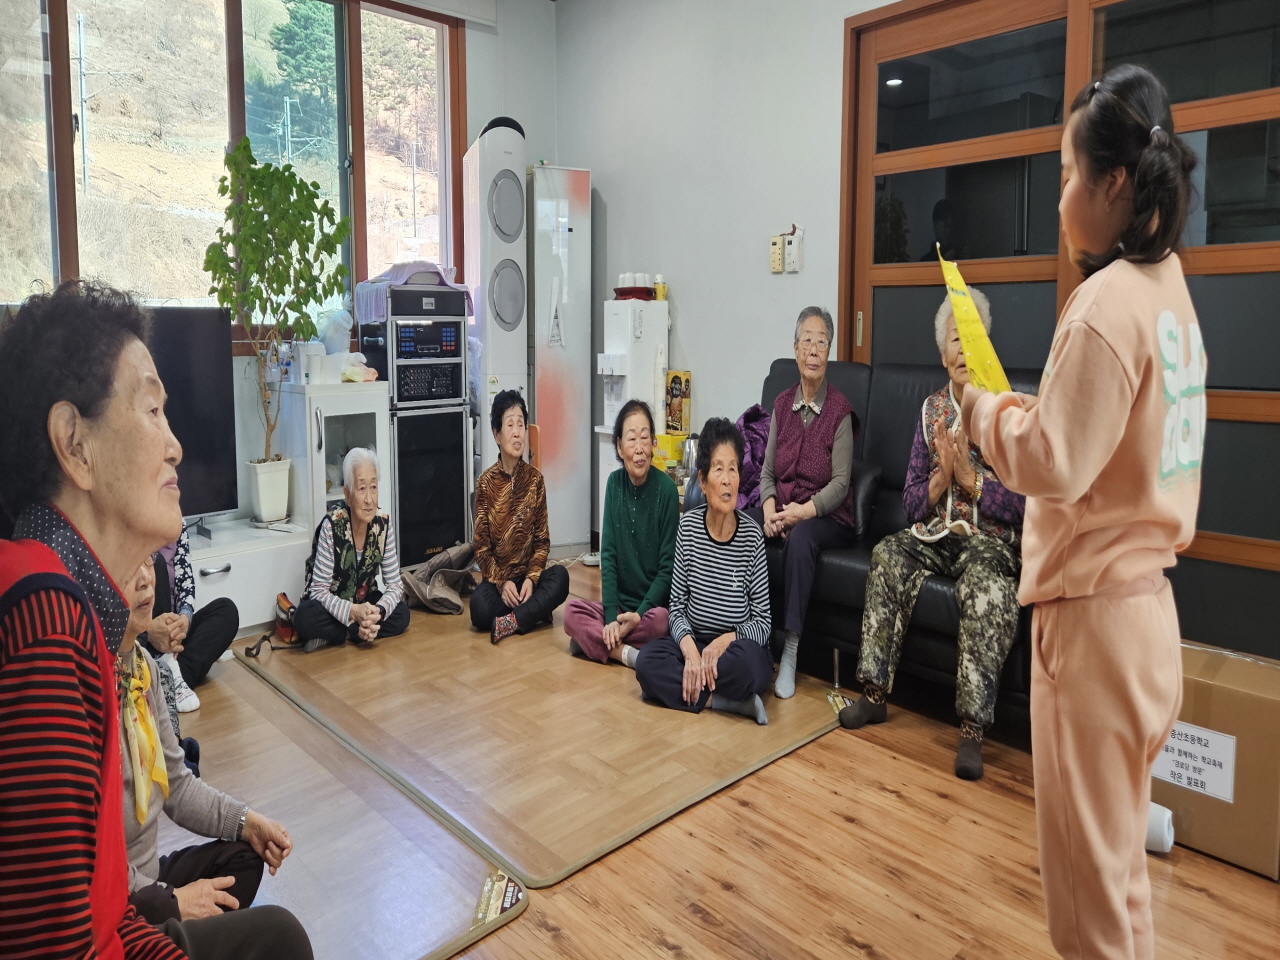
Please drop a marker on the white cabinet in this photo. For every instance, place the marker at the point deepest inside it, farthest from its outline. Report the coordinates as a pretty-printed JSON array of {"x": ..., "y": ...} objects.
[
  {"x": 250, "y": 566},
  {"x": 318, "y": 425}
]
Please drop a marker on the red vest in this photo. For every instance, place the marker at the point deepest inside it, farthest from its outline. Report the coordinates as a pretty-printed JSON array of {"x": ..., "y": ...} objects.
[
  {"x": 802, "y": 457},
  {"x": 21, "y": 565}
]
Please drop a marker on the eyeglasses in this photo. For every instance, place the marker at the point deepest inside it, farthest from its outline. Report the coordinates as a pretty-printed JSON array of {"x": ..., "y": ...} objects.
[{"x": 808, "y": 343}]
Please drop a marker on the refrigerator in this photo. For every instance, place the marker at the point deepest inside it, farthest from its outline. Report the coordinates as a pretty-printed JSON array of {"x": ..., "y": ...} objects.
[{"x": 560, "y": 362}]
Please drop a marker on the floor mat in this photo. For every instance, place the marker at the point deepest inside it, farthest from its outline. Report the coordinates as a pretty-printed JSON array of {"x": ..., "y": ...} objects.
[
  {"x": 542, "y": 761},
  {"x": 371, "y": 874}
]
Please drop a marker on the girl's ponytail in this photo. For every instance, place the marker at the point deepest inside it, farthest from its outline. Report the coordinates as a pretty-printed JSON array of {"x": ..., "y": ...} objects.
[{"x": 1124, "y": 121}]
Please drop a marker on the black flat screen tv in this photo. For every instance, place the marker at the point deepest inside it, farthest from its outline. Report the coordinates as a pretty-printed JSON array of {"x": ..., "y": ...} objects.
[{"x": 192, "y": 351}]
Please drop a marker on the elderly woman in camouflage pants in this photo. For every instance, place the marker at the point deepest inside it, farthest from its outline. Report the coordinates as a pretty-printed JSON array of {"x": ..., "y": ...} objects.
[{"x": 966, "y": 525}]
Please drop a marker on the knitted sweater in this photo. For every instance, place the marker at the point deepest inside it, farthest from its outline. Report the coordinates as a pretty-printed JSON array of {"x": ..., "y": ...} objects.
[{"x": 637, "y": 542}]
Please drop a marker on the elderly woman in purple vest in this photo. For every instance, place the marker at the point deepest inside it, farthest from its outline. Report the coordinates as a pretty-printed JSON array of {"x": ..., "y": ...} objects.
[
  {"x": 965, "y": 525},
  {"x": 805, "y": 496}
]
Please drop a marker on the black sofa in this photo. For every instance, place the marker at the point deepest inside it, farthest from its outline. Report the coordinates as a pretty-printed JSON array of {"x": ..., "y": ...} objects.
[{"x": 887, "y": 400}]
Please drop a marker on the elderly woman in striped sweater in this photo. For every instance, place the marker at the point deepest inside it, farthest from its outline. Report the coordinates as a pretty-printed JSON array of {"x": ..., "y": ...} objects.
[
  {"x": 355, "y": 542},
  {"x": 718, "y": 652}
]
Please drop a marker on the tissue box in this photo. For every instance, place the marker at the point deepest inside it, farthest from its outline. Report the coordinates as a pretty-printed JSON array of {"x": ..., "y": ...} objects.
[{"x": 1219, "y": 772}]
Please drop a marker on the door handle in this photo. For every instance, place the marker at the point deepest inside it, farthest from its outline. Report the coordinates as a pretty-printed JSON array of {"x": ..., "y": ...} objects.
[
  {"x": 374, "y": 341},
  {"x": 319, "y": 430},
  {"x": 213, "y": 571}
]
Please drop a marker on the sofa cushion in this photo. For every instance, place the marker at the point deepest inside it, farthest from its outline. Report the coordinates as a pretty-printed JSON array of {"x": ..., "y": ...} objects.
[
  {"x": 841, "y": 576},
  {"x": 851, "y": 379}
]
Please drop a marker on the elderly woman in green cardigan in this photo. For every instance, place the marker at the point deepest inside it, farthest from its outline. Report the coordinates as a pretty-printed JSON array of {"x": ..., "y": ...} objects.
[{"x": 637, "y": 550}]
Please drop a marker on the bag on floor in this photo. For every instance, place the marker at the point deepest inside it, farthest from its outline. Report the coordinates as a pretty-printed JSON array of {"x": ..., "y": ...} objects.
[{"x": 440, "y": 584}]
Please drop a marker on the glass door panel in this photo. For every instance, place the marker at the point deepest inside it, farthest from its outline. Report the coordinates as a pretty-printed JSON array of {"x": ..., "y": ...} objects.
[{"x": 1011, "y": 81}]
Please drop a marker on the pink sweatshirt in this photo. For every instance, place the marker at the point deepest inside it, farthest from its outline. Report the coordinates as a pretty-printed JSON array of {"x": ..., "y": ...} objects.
[{"x": 1109, "y": 454}]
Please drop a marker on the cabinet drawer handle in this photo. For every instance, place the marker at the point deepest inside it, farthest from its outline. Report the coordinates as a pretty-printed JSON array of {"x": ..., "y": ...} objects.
[{"x": 211, "y": 571}]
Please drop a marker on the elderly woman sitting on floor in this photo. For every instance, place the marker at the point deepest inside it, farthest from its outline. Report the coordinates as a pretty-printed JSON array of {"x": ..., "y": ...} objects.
[
  {"x": 197, "y": 881},
  {"x": 512, "y": 538},
  {"x": 966, "y": 525},
  {"x": 717, "y": 653},
  {"x": 354, "y": 543},
  {"x": 805, "y": 495},
  {"x": 637, "y": 549}
]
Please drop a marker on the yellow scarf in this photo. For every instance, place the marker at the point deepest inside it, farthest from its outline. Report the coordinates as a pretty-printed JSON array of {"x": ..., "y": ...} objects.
[{"x": 145, "y": 752}]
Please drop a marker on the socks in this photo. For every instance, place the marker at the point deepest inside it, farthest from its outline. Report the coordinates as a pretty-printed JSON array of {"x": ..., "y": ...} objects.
[
  {"x": 503, "y": 627},
  {"x": 970, "y": 730},
  {"x": 873, "y": 693},
  {"x": 629, "y": 655},
  {"x": 784, "y": 686},
  {"x": 753, "y": 708}
]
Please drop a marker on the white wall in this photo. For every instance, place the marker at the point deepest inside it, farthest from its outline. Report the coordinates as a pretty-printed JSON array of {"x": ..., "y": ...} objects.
[
  {"x": 708, "y": 127},
  {"x": 511, "y": 72}
]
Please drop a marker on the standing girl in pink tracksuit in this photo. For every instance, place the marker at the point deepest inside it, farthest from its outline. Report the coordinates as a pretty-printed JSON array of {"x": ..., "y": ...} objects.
[{"x": 1109, "y": 459}]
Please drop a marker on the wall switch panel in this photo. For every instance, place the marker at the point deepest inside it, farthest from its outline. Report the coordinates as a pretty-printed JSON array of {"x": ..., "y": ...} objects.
[
  {"x": 776, "y": 254},
  {"x": 794, "y": 252}
]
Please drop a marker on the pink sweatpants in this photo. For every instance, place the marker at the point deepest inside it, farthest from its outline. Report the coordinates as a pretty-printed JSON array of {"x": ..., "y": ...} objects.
[
  {"x": 1106, "y": 687},
  {"x": 584, "y": 622}
]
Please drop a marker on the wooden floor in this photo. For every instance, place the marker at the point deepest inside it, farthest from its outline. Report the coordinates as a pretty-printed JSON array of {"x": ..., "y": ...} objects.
[
  {"x": 371, "y": 874},
  {"x": 864, "y": 845},
  {"x": 548, "y": 760}
]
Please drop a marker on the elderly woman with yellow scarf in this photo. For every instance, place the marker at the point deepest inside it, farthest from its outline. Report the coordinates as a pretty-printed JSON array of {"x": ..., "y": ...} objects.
[{"x": 198, "y": 881}]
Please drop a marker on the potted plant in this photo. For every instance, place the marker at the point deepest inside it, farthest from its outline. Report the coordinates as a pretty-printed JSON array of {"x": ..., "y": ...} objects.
[{"x": 274, "y": 257}]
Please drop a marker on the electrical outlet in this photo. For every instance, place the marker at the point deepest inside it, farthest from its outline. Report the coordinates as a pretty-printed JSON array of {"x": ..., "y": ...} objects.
[
  {"x": 776, "y": 254},
  {"x": 793, "y": 255}
]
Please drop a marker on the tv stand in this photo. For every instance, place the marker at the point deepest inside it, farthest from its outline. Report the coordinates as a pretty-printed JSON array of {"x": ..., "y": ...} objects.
[
  {"x": 250, "y": 565},
  {"x": 202, "y": 529}
]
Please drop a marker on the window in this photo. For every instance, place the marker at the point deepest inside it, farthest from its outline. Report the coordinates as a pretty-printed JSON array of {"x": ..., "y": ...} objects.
[
  {"x": 25, "y": 171},
  {"x": 1012, "y": 81},
  {"x": 149, "y": 93},
  {"x": 1237, "y": 184},
  {"x": 294, "y": 89},
  {"x": 1199, "y": 48},
  {"x": 405, "y": 159},
  {"x": 997, "y": 208}
]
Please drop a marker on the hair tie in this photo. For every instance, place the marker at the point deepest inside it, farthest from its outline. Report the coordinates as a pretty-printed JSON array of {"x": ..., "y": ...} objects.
[
  {"x": 1097, "y": 85},
  {"x": 1154, "y": 130}
]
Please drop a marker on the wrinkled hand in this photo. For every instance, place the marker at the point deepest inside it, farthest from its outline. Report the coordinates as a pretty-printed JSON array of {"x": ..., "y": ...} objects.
[
  {"x": 510, "y": 594},
  {"x": 620, "y": 629},
  {"x": 205, "y": 898},
  {"x": 946, "y": 451},
  {"x": 711, "y": 654},
  {"x": 370, "y": 627},
  {"x": 793, "y": 513},
  {"x": 526, "y": 591},
  {"x": 178, "y": 628},
  {"x": 772, "y": 528},
  {"x": 269, "y": 839},
  {"x": 160, "y": 634},
  {"x": 693, "y": 681}
]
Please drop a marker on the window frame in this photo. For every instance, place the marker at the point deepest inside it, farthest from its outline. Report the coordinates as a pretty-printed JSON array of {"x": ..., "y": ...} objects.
[{"x": 453, "y": 101}]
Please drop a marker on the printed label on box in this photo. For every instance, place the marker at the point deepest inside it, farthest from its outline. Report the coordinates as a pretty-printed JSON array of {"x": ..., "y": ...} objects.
[{"x": 1199, "y": 759}]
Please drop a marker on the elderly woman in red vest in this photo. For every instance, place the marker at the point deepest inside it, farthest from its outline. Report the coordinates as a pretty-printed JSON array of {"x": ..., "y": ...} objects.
[
  {"x": 805, "y": 496},
  {"x": 88, "y": 474}
]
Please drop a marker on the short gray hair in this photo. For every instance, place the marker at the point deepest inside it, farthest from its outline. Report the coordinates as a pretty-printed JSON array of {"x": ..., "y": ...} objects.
[
  {"x": 820, "y": 312},
  {"x": 357, "y": 457},
  {"x": 944, "y": 311}
]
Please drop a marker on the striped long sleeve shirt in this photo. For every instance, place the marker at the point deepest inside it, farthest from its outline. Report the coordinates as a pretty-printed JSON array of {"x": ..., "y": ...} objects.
[
  {"x": 719, "y": 587},
  {"x": 322, "y": 576}
]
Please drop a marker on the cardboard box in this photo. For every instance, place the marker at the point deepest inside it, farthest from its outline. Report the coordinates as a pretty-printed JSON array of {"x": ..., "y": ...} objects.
[{"x": 1220, "y": 770}]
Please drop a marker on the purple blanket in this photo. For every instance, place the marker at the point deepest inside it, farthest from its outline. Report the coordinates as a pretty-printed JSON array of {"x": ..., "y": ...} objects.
[{"x": 754, "y": 425}]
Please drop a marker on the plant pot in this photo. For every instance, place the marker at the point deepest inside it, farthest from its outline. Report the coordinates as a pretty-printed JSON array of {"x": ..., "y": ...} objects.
[{"x": 269, "y": 492}]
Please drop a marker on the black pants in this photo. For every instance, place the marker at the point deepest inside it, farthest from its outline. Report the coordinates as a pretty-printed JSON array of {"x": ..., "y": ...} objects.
[
  {"x": 206, "y": 861},
  {"x": 800, "y": 560},
  {"x": 744, "y": 670},
  {"x": 548, "y": 593},
  {"x": 311, "y": 619},
  {"x": 263, "y": 933},
  {"x": 212, "y": 629}
]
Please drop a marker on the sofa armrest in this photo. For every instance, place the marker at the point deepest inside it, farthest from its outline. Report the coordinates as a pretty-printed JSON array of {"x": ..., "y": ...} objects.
[
  {"x": 693, "y": 496},
  {"x": 864, "y": 481}
]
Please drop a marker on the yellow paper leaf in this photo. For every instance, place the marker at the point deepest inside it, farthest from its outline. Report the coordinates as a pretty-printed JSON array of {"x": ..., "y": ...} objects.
[{"x": 985, "y": 371}]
